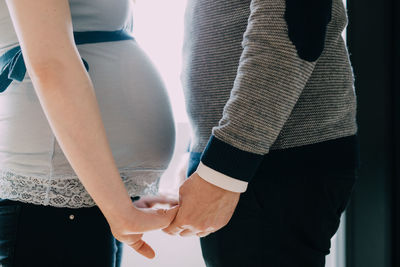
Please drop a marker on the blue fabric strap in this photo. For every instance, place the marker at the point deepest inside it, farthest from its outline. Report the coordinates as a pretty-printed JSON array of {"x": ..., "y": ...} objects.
[
  {"x": 12, "y": 65},
  {"x": 101, "y": 36}
]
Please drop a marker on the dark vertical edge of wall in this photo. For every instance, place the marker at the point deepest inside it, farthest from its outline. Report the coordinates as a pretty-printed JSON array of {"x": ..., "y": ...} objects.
[
  {"x": 396, "y": 133},
  {"x": 370, "y": 218}
]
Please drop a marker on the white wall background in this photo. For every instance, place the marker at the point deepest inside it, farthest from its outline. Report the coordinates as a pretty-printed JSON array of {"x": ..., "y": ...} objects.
[{"x": 159, "y": 30}]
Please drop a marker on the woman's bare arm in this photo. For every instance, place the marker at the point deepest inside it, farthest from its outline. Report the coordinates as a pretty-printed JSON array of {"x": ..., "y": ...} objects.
[{"x": 66, "y": 93}]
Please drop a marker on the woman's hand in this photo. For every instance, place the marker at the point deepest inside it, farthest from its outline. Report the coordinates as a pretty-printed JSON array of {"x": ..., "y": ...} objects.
[{"x": 129, "y": 227}]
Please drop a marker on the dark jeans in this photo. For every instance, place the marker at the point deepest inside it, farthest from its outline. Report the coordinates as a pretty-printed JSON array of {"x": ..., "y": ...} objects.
[
  {"x": 36, "y": 235},
  {"x": 290, "y": 211}
]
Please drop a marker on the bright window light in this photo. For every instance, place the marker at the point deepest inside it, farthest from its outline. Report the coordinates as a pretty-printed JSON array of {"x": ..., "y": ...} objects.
[{"x": 158, "y": 29}]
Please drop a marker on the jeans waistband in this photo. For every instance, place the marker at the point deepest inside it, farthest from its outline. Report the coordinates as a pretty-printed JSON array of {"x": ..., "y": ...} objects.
[{"x": 12, "y": 65}]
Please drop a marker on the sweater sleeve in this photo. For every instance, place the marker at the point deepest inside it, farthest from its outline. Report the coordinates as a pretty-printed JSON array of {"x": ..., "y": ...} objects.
[{"x": 281, "y": 45}]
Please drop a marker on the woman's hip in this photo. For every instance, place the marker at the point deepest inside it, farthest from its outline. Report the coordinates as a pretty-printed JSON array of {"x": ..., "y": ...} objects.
[{"x": 36, "y": 235}]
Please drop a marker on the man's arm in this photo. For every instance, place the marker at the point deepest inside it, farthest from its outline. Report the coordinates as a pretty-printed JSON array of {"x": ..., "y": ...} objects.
[{"x": 281, "y": 44}]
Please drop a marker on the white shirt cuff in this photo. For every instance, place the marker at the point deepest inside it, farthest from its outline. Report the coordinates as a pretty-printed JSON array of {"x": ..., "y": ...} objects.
[{"x": 221, "y": 180}]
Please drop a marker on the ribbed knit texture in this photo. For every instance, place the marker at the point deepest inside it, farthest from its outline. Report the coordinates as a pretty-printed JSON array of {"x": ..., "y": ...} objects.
[{"x": 245, "y": 83}]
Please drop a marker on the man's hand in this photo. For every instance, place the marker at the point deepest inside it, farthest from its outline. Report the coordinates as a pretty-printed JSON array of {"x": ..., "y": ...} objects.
[{"x": 204, "y": 208}]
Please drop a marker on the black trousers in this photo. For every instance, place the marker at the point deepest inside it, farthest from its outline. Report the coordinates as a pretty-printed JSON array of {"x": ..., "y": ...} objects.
[
  {"x": 36, "y": 235},
  {"x": 291, "y": 209}
]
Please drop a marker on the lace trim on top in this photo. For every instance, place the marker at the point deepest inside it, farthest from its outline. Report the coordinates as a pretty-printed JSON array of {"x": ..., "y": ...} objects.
[{"x": 69, "y": 192}]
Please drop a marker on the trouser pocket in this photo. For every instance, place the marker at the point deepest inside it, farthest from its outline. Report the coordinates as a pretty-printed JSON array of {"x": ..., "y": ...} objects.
[{"x": 9, "y": 213}]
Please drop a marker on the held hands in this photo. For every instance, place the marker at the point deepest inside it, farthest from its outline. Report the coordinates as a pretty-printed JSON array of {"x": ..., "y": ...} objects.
[
  {"x": 203, "y": 208},
  {"x": 136, "y": 221}
]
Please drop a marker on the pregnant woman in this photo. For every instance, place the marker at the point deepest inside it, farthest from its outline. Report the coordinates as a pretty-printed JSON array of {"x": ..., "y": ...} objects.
[{"x": 85, "y": 128}]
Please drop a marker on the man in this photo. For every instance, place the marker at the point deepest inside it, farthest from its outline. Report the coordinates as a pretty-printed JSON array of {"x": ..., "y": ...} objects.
[{"x": 270, "y": 97}]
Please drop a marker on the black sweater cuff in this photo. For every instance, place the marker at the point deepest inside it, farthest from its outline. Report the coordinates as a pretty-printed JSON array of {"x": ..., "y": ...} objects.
[{"x": 230, "y": 160}]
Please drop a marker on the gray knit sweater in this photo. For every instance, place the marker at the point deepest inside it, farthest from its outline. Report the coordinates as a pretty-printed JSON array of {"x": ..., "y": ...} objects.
[{"x": 260, "y": 75}]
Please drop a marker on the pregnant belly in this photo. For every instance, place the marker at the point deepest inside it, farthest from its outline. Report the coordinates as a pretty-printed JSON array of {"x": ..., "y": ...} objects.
[{"x": 133, "y": 103}]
